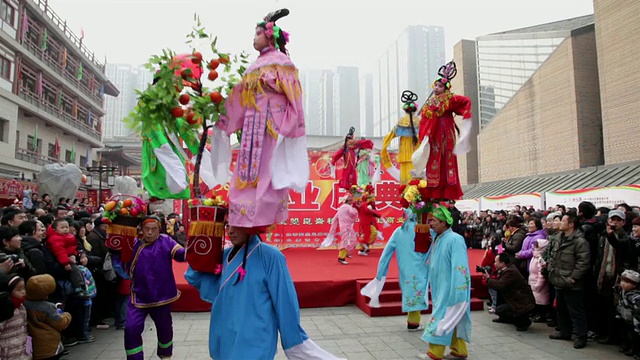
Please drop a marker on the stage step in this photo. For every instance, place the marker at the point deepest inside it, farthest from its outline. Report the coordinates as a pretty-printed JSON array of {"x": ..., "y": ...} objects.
[{"x": 391, "y": 300}]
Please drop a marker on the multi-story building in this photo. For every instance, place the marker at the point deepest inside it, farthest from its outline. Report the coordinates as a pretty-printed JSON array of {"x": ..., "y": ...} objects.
[
  {"x": 466, "y": 83},
  {"x": 569, "y": 123},
  {"x": 127, "y": 79},
  {"x": 346, "y": 100},
  {"x": 506, "y": 60},
  {"x": 366, "y": 105},
  {"x": 544, "y": 83},
  {"x": 618, "y": 48},
  {"x": 410, "y": 63},
  {"x": 326, "y": 102},
  {"x": 311, "y": 100},
  {"x": 52, "y": 91}
]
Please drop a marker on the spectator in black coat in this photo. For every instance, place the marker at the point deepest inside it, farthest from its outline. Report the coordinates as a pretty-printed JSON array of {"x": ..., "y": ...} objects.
[{"x": 32, "y": 232}]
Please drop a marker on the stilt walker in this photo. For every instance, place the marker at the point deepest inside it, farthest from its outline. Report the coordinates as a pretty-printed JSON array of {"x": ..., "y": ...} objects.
[
  {"x": 253, "y": 300},
  {"x": 412, "y": 272},
  {"x": 437, "y": 155},
  {"x": 349, "y": 154},
  {"x": 407, "y": 131},
  {"x": 436, "y": 172}
]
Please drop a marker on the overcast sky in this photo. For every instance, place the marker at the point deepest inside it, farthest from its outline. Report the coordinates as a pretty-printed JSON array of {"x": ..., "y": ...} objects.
[{"x": 324, "y": 34}]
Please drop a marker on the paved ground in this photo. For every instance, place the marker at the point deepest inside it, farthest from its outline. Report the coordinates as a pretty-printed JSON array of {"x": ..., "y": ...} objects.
[{"x": 348, "y": 332}]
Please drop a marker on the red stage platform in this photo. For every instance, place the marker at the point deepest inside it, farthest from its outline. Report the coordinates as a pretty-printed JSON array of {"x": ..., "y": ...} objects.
[{"x": 320, "y": 280}]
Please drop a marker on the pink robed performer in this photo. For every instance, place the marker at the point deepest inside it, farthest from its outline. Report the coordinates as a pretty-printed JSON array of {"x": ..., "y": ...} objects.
[
  {"x": 267, "y": 106},
  {"x": 345, "y": 219}
]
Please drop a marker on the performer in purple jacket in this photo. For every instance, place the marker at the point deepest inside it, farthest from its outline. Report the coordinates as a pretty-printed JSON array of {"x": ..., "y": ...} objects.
[{"x": 153, "y": 289}]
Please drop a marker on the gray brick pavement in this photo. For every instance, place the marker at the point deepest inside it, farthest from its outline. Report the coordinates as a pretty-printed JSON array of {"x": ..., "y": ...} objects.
[{"x": 348, "y": 332}]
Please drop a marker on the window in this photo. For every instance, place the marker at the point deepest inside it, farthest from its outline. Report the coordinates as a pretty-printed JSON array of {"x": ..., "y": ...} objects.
[
  {"x": 83, "y": 161},
  {"x": 4, "y": 128},
  {"x": 7, "y": 13},
  {"x": 30, "y": 144},
  {"x": 67, "y": 156},
  {"x": 5, "y": 68},
  {"x": 52, "y": 151}
]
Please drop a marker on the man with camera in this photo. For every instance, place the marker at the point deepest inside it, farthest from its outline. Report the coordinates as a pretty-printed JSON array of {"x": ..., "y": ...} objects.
[{"x": 515, "y": 298}]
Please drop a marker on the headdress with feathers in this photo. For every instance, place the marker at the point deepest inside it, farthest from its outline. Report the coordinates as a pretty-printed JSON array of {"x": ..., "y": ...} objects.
[{"x": 273, "y": 32}]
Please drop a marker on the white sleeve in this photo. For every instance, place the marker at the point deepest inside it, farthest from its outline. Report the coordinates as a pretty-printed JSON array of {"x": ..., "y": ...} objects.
[
  {"x": 451, "y": 318},
  {"x": 420, "y": 157},
  {"x": 462, "y": 146},
  {"x": 309, "y": 350},
  {"x": 290, "y": 164},
  {"x": 206, "y": 172},
  {"x": 220, "y": 157},
  {"x": 372, "y": 290}
]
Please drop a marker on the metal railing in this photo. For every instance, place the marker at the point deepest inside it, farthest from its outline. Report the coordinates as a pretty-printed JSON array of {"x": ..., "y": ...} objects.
[
  {"x": 62, "y": 25},
  {"x": 33, "y": 157},
  {"x": 53, "y": 64},
  {"x": 43, "y": 104}
]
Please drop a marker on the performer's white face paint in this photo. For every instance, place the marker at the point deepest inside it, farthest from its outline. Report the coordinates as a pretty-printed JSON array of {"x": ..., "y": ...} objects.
[
  {"x": 438, "y": 88},
  {"x": 260, "y": 40}
]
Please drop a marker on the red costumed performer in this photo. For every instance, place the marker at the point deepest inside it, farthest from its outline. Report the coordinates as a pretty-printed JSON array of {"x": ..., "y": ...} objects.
[
  {"x": 438, "y": 149},
  {"x": 368, "y": 221},
  {"x": 349, "y": 152}
]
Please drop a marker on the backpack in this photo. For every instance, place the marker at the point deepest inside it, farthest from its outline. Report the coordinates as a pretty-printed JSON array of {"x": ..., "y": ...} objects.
[{"x": 107, "y": 268}]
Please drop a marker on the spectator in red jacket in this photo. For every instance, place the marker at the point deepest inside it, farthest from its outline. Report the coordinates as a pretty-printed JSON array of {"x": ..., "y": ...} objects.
[{"x": 64, "y": 246}]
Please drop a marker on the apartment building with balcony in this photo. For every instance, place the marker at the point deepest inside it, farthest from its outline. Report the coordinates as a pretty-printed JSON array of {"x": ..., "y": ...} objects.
[{"x": 52, "y": 91}]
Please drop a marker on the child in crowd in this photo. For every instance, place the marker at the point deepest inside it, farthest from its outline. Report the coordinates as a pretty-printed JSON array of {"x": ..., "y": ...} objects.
[
  {"x": 628, "y": 308},
  {"x": 488, "y": 262},
  {"x": 123, "y": 285},
  {"x": 538, "y": 282},
  {"x": 44, "y": 319},
  {"x": 64, "y": 246},
  {"x": 15, "y": 342}
]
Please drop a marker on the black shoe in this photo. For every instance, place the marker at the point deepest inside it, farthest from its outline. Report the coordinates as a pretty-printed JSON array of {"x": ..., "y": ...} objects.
[
  {"x": 558, "y": 336},
  {"x": 540, "y": 319},
  {"x": 605, "y": 340},
  {"x": 630, "y": 352},
  {"x": 69, "y": 342},
  {"x": 580, "y": 343},
  {"x": 500, "y": 321}
]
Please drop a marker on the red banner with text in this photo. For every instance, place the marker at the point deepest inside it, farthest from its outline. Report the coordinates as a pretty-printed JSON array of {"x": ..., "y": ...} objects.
[{"x": 311, "y": 212}]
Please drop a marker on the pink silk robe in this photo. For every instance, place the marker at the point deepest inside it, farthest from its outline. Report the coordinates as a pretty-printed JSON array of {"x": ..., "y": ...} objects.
[
  {"x": 346, "y": 217},
  {"x": 265, "y": 105}
]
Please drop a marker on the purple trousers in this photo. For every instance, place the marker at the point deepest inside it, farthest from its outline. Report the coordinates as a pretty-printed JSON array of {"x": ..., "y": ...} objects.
[{"x": 134, "y": 328}]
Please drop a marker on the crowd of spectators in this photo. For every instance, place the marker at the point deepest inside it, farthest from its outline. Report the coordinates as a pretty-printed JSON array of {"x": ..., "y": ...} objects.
[{"x": 58, "y": 280}]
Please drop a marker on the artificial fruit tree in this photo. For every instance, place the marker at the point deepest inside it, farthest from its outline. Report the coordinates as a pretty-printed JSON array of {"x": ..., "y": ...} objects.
[{"x": 174, "y": 116}]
